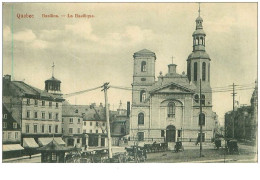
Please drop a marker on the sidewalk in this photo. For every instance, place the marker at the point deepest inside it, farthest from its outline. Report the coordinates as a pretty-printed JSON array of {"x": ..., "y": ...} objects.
[{"x": 20, "y": 159}]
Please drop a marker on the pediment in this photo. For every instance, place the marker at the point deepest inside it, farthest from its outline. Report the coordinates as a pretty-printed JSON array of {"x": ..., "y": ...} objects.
[{"x": 172, "y": 88}]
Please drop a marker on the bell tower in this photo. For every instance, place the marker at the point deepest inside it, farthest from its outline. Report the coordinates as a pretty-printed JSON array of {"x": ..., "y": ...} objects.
[
  {"x": 198, "y": 62},
  {"x": 144, "y": 74},
  {"x": 52, "y": 85}
]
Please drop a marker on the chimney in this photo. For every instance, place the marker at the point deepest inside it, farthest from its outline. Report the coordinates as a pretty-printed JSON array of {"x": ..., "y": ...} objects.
[
  {"x": 7, "y": 77},
  {"x": 172, "y": 68},
  {"x": 128, "y": 108}
]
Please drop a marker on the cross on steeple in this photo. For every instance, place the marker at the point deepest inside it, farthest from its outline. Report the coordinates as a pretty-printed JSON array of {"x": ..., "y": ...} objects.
[
  {"x": 53, "y": 69},
  {"x": 172, "y": 59},
  {"x": 199, "y": 9}
]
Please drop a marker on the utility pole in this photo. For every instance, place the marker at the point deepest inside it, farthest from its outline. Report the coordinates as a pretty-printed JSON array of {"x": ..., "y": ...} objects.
[
  {"x": 233, "y": 117},
  {"x": 105, "y": 86},
  {"x": 200, "y": 121}
]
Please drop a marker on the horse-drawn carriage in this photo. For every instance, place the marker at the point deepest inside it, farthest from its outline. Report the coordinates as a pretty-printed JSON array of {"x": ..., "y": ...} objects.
[{"x": 136, "y": 153}]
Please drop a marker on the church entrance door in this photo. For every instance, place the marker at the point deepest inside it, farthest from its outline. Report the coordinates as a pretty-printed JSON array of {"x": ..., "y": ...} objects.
[{"x": 170, "y": 133}]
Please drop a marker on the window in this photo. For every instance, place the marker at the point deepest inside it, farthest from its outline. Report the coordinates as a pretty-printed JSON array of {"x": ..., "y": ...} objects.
[
  {"x": 84, "y": 131},
  {"x": 171, "y": 110},
  {"x": 35, "y": 128},
  {"x": 53, "y": 156},
  {"x": 90, "y": 123},
  {"x": 57, "y": 116},
  {"x": 162, "y": 133},
  {"x": 43, "y": 103},
  {"x": 78, "y": 120},
  {"x": 57, "y": 105},
  {"x": 208, "y": 72},
  {"x": 35, "y": 114},
  {"x": 143, "y": 66},
  {"x": 202, "y": 119},
  {"x": 70, "y": 130},
  {"x": 78, "y": 130},
  {"x": 179, "y": 133},
  {"x": 188, "y": 71},
  {"x": 103, "y": 124},
  {"x": 143, "y": 79},
  {"x": 90, "y": 131},
  {"x": 50, "y": 104},
  {"x": 122, "y": 130},
  {"x": 203, "y": 99},
  {"x": 62, "y": 120},
  {"x": 140, "y": 136},
  {"x": 36, "y": 102},
  {"x": 96, "y": 123},
  {"x": 56, "y": 128},
  {"x": 195, "y": 71},
  {"x": 4, "y": 125},
  {"x": 28, "y": 102},
  {"x": 78, "y": 140},
  {"x": 96, "y": 131},
  {"x": 196, "y": 98},
  {"x": 142, "y": 96},
  {"x": 62, "y": 130},
  {"x": 76, "y": 111},
  {"x": 9, "y": 135},
  {"x": 16, "y": 135},
  {"x": 5, "y": 116},
  {"x": 85, "y": 123},
  {"x": 103, "y": 131},
  {"x": 15, "y": 125},
  {"x": 201, "y": 39},
  {"x": 50, "y": 115},
  {"x": 42, "y": 128},
  {"x": 27, "y": 128},
  {"x": 43, "y": 115},
  {"x": 141, "y": 119},
  {"x": 49, "y": 128},
  {"x": 28, "y": 114},
  {"x": 203, "y": 71},
  {"x": 71, "y": 120},
  {"x": 203, "y": 137}
]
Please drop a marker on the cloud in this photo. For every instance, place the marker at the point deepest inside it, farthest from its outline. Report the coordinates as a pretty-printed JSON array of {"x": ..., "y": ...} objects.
[
  {"x": 26, "y": 36},
  {"x": 82, "y": 29}
]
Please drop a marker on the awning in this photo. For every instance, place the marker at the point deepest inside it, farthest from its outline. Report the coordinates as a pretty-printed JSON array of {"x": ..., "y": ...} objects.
[
  {"x": 12, "y": 147},
  {"x": 29, "y": 143},
  {"x": 45, "y": 141}
]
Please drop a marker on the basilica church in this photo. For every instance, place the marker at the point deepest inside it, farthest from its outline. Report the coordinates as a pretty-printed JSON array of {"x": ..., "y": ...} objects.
[{"x": 167, "y": 109}]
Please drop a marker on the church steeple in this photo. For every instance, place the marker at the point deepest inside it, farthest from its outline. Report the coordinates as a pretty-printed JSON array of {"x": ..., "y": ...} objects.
[{"x": 199, "y": 35}]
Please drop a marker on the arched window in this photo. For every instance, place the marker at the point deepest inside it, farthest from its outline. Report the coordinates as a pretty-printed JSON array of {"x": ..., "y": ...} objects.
[
  {"x": 198, "y": 42},
  {"x": 141, "y": 119},
  {"x": 143, "y": 66},
  {"x": 142, "y": 96},
  {"x": 171, "y": 109},
  {"x": 195, "y": 71},
  {"x": 201, "y": 39},
  {"x": 203, "y": 71},
  {"x": 203, "y": 100},
  {"x": 208, "y": 72},
  {"x": 188, "y": 71},
  {"x": 196, "y": 98}
]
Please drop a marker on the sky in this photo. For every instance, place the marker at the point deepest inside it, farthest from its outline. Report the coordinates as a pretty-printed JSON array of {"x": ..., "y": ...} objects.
[{"x": 88, "y": 52}]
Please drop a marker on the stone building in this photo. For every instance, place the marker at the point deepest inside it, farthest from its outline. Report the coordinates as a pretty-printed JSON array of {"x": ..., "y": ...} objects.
[
  {"x": 36, "y": 111},
  {"x": 168, "y": 109}
]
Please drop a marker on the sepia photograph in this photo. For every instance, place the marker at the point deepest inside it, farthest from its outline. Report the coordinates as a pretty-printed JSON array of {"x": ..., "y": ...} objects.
[{"x": 130, "y": 82}]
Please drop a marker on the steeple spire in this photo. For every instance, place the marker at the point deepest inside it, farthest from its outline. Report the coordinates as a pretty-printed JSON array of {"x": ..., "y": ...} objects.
[
  {"x": 53, "y": 69},
  {"x": 199, "y": 9}
]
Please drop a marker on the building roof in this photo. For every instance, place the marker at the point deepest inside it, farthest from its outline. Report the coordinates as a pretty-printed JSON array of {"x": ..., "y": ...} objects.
[
  {"x": 53, "y": 146},
  {"x": 9, "y": 120},
  {"x": 199, "y": 19},
  {"x": 53, "y": 79},
  {"x": 28, "y": 90},
  {"x": 144, "y": 53},
  {"x": 198, "y": 55},
  {"x": 199, "y": 32}
]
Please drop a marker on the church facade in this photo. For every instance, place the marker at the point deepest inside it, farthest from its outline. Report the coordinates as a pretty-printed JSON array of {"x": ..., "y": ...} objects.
[{"x": 167, "y": 109}]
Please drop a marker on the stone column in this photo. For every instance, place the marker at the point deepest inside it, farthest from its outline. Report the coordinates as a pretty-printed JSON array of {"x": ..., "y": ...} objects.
[{"x": 86, "y": 139}]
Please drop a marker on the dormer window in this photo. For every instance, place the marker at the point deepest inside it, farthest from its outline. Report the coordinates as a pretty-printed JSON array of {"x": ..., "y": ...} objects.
[{"x": 5, "y": 116}]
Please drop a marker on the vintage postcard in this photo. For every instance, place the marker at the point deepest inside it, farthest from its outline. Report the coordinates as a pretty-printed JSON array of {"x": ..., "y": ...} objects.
[{"x": 129, "y": 83}]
